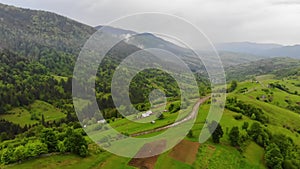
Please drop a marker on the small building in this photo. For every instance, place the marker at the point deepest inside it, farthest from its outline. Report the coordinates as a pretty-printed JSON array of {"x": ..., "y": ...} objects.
[
  {"x": 153, "y": 122},
  {"x": 101, "y": 121},
  {"x": 147, "y": 114}
]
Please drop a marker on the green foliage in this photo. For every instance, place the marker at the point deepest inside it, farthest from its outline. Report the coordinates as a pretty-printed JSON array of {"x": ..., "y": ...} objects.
[
  {"x": 160, "y": 116},
  {"x": 273, "y": 157},
  {"x": 238, "y": 117},
  {"x": 33, "y": 149},
  {"x": 49, "y": 138},
  {"x": 174, "y": 107},
  {"x": 288, "y": 164},
  {"x": 61, "y": 147},
  {"x": 19, "y": 153},
  {"x": 258, "y": 134},
  {"x": 245, "y": 125},
  {"x": 7, "y": 155},
  {"x": 46, "y": 140},
  {"x": 8, "y": 130},
  {"x": 216, "y": 130},
  {"x": 44, "y": 31},
  {"x": 233, "y": 86},
  {"x": 246, "y": 109},
  {"x": 234, "y": 136},
  {"x": 282, "y": 67},
  {"x": 284, "y": 143},
  {"x": 83, "y": 151},
  {"x": 75, "y": 141},
  {"x": 190, "y": 134},
  {"x": 23, "y": 81}
]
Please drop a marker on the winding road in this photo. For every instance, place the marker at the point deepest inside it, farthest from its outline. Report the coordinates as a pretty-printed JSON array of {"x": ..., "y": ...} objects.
[{"x": 192, "y": 115}]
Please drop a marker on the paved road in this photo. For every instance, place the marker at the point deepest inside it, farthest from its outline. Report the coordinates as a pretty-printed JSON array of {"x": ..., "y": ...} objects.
[{"x": 192, "y": 115}]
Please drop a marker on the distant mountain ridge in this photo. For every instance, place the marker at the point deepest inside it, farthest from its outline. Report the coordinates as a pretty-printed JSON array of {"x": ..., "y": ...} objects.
[
  {"x": 261, "y": 67},
  {"x": 261, "y": 49},
  {"x": 56, "y": 41},
  {"x": 148, "y": 40}
]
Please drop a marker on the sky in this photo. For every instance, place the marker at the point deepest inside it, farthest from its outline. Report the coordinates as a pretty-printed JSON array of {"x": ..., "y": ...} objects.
[{"x": 262, "y": 21}]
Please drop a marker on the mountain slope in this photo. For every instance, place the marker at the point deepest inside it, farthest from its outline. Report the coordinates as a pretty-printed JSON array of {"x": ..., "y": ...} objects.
[
  {"x": 260, "y": 49},
  {"x": 29, "y": 32},
  {"x": 246, "y": 47},
  {"x": 290, "y": 51},
  {"x": 260, "y": 67}
]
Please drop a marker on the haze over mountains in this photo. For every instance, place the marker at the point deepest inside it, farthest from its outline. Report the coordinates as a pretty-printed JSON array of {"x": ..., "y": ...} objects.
[
  {"x": 230, "y": 53},
  {"x": 261, "y": 49},
  {"x": 24, "y": 29}
]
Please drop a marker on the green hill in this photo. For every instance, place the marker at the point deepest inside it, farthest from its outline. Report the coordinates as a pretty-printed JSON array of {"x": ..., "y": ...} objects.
[
  {"x": 30, "y": 32},
  {"x": 261, "y": 67}
]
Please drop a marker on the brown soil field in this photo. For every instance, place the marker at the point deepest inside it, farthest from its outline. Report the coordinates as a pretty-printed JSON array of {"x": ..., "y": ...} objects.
[
  {"x": 148, "y": 149},
  {"x": 186, "y": 151}
]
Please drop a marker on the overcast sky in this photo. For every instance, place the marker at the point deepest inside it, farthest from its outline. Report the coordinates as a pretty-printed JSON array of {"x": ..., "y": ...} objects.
[{"x": 266, "y": 21}]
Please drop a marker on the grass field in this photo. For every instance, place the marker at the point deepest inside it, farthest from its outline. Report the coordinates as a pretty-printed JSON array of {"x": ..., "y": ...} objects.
[
  {"x": 165, "y": 161},
  {"x": 209, "y": 155},
  {"x": 221, "y": 156},
  {"x": 22, "y": 115},
  {"x": 254, "y": 154},
  {"x": 129, "y": 127},
  {"x": 64, "y": 161}
]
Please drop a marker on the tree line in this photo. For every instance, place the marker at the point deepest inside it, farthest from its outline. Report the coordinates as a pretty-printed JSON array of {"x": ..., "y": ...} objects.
[
  {"x": 48, "y": 140},
  {"x": 280, "y": 151}
]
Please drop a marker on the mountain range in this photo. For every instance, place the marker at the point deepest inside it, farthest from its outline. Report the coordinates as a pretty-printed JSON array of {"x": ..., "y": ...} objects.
[
  {"x": 261, "y": 49},
  {"x": 31, "y": 32}
]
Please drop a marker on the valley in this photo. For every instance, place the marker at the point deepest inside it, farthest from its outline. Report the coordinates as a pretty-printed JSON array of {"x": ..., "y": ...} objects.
[{"x": 40, "y": 128}]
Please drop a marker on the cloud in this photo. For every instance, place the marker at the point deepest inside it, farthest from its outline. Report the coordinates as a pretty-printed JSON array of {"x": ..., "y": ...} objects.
[
  {"x": 272, "y": 21},
  {"x": 286, "y": 2}
]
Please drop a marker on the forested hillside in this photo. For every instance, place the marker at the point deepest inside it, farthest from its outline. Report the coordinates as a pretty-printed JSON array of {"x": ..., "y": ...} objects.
[
  {"x": 30, "y": 32},
  {"x": 280, "y": 66}
]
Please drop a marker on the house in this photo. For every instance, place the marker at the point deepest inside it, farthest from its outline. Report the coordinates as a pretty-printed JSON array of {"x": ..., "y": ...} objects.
[
  {"x": 147, "y": 114},
  {"x": 101, "y": 121}
]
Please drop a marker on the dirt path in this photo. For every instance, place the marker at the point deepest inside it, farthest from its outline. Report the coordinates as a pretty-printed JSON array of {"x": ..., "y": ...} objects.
[{"x": 192, "y": 115}]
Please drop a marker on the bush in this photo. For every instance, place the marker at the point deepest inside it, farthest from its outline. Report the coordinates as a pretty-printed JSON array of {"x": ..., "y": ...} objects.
[
  {"x": 190, "y": 134},
  {"x": 160, "y": 116},
  {"x": 61, "y": 147},
  {"x": 7, "y": 155},
  {"x": 174, "y": 107},
  {"x": 19, "y": 153},
  {"x": 83, "y": 151},
  {"x": 273, "y": 157},
  {"x": 216, "y": 130},
  {"x": 245, "y": 125},
  {"x": 238, "y": 117},
  {"x": 234, "y": 136}
]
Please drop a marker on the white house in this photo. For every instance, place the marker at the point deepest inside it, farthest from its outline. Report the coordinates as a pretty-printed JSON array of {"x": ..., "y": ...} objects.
[
  {"x": 101, "y": 121},
  {"x": 147, "y": 114}
]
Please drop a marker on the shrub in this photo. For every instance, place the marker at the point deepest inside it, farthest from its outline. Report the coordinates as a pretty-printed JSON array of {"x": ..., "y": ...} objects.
[{"x": 238, "y": 117}]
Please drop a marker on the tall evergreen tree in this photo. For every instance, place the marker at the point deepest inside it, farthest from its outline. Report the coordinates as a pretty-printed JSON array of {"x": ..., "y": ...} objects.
[{"x": 216, "y": 130}]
